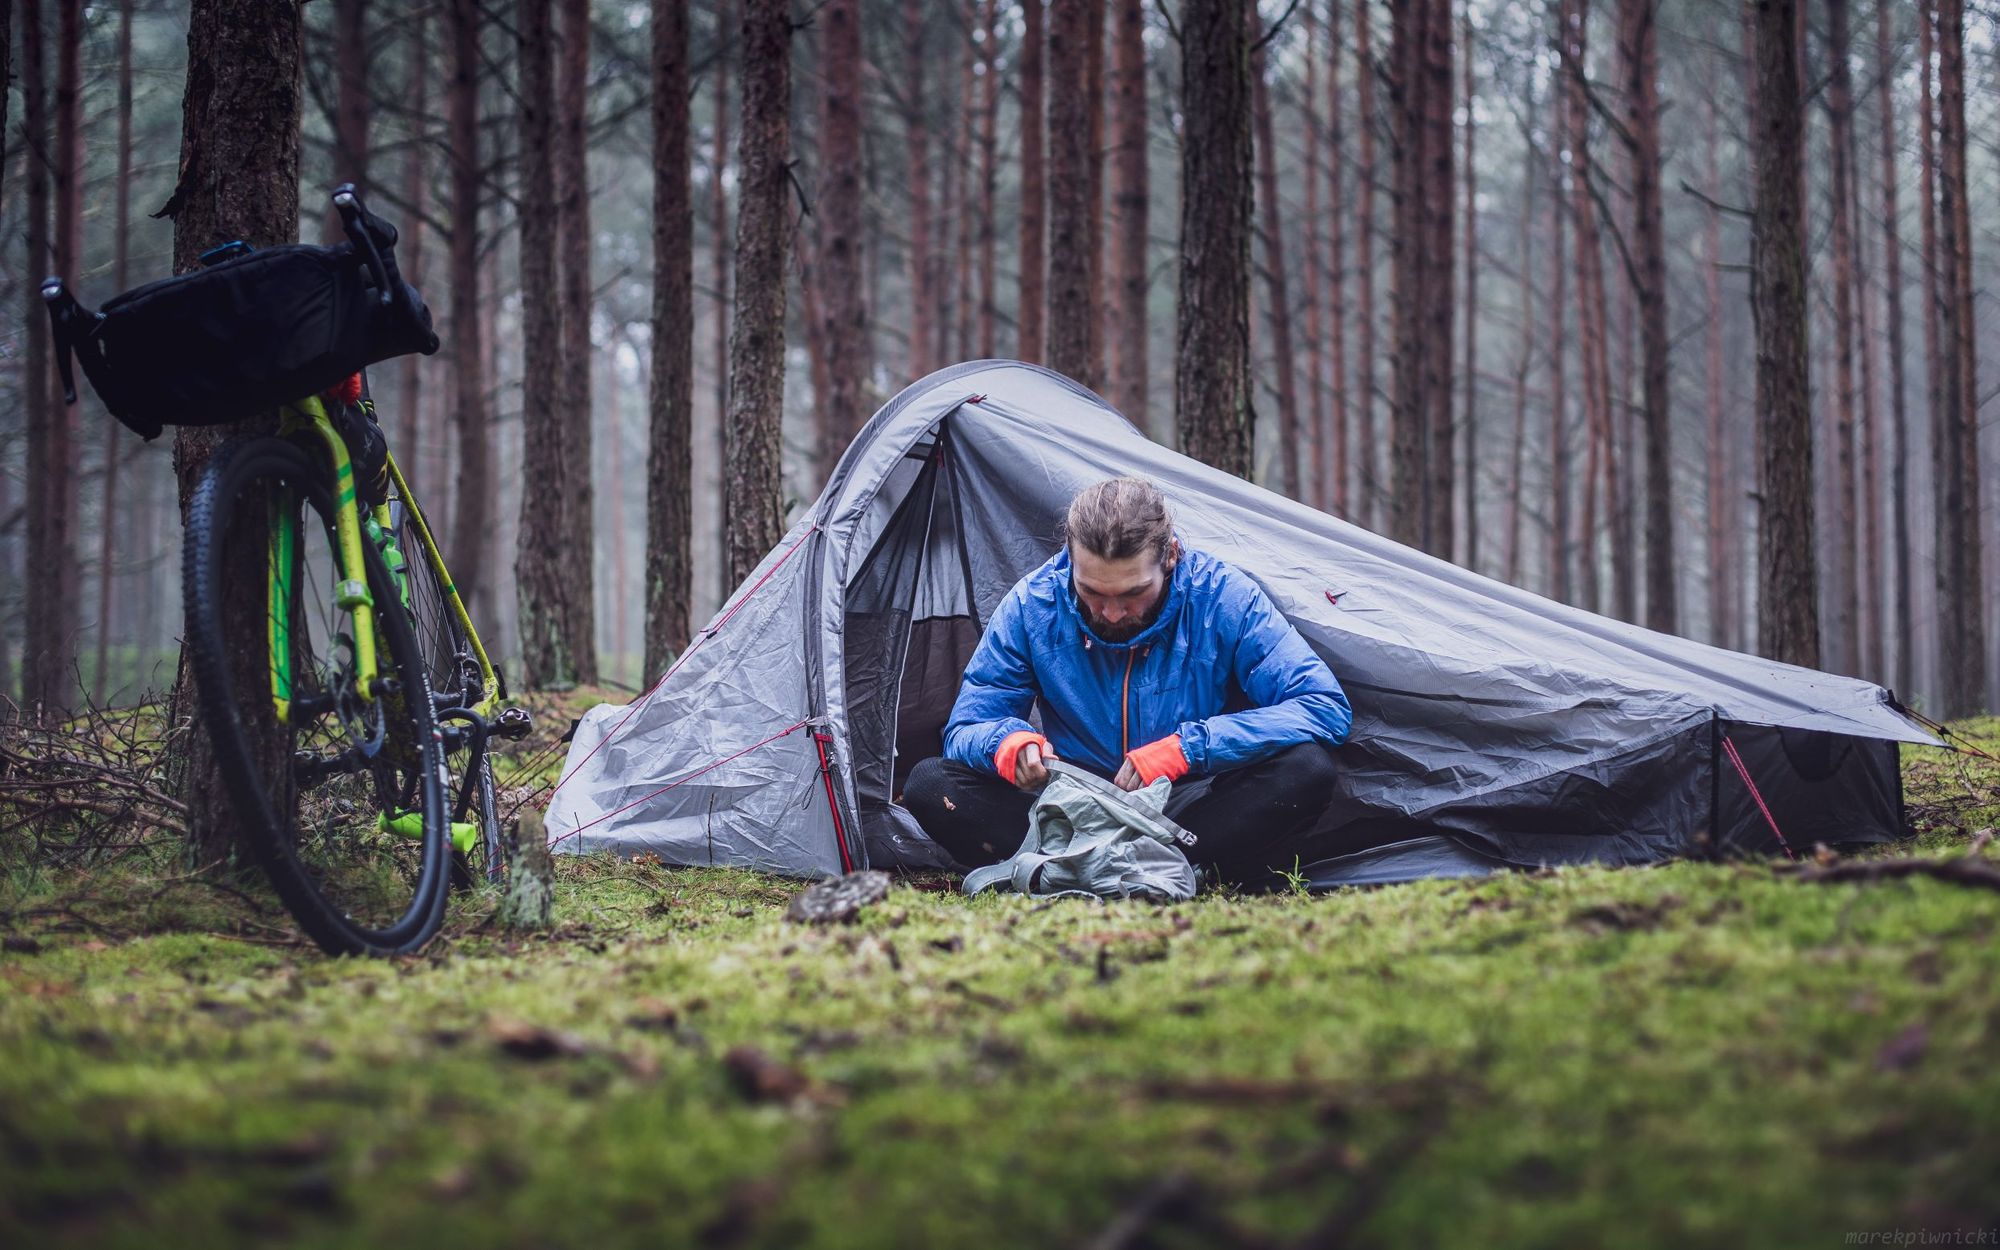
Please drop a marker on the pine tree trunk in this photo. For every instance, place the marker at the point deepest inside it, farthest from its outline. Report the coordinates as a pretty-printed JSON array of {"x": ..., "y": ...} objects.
[
  {"x": 1865, "y": 534},
  {"x": 989, "y": 181},
  {"x": 541, "y": 575},
  {"x": 1313, "y": 479},
  {"x": 1471, "y": 417},
  {"x": 1843, "y": 645},
  {"x": 1130, "y": 190},
  {"x": 36, "y": 367},
  {"x": 1559, "y": 585},
  {"x": 1282, "y": 361},
  {"x": 1944, "y": 518},
  {"x": 239, "y": 179},
  {"x": 350, "y": 106},
  {"x": 1523, "y": 360},
  {"x": 1438, "y": 203},
  {"x": 6, "y": 76},
  {"x": 718, "y": 203},
  {"x": 1600, "y": 465},
  {"x": 578, "y": 533},
  {"x": 472, "y": 516},
  {"x": 1213, "y": 414},
  {"x": 121, "y": 278},
  {"x": 1642, "y": 91},
  {"x": 1904, "y": 672},
  {"x": 837, "y": 252},
  {"x": 670, "y": 396},
  {"x": 1963, "y": 666},
  {"x": 1408, "y": 411},
  {"x": 1368, "y": 503},
  {"x": 757, "y": 338},
  {"x": 410, "y": 259},
  {"x": 1788, "y": 596},
  {"x": 1720, "y": 509},
  {"x": 1030, "y": 316},
  {"x": 1072, "y": 318},
  {"x": 963, "y": 163},
  {"x": 916, "y": 131},
  {"x": 1336, "y": 490},
  {"x": 1093, "y": 169}
]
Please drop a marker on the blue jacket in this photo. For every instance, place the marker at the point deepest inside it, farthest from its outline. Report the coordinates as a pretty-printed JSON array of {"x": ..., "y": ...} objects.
[{"x": 1218, "y": 643}]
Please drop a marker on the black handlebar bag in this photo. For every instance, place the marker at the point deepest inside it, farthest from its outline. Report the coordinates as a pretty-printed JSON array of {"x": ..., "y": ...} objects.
[{"x": 225, "y": 343}]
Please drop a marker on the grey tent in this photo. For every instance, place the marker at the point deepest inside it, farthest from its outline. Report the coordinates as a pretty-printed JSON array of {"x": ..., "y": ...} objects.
[{"x": 1492, "y": 727}]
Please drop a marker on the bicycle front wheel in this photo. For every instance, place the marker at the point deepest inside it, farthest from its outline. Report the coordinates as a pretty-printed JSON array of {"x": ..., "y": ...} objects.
[{"x": 339, "y": 789}]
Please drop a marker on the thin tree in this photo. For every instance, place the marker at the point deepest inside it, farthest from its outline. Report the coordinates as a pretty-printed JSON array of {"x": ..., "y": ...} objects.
[
  {"x": 1638, "y": 30},
  {"x": 837, "y": 250},
  {"x": 1942, "y": 517},
  {"x": 350, "y": 110},
  {"x": 578, "y": 530},
  {"x": 1030, "y": 315},
  {"x": 1788, "y": 594},
  {"x": 916, "y": 132},
  {"x": 1961, "y": 606},
  {"x": 548, "y": 649},
  {"x": 1130, "y": 192},
  {"x": 1072, "y": 323},
  {"x": 239, "y": 179},
  {"x": 1421, "y": 86},
  {"x": 6, "y": 76},
  {"x": 1093, "y": 171},
  {"x": 1903, "y": 674},
  {"x": 718, "y": 222},
  {"x": 1600, "y": 464},
  {"x": 962, "y": 163},
  {"x": 1559, "y": 584},
  {"x": 669, "y": 448},
  {"x": 1213, "y": 413},
  {"x": 989, "y": 178},
  {"x": 1470, "y": 419},
  {"x": 410, "y": 249},
  {"x": 1440, "y": 167},
  {"x": 120, "y": 275},
  {"x": 1721, "y": 528},
  {"x": 1313, "y": 480},
  {"x": 39, "y": 668},
  {"x": 471, "y": 542},
  {"x": 1368, "y": 506},
  {"x": 756, "y": 504},
  {"x": 1843, "y": 645},
  {"x": 1336, "y": 490},
  {"x": 1283, "y": 364},
  {"x": 1524, "y": 356}
]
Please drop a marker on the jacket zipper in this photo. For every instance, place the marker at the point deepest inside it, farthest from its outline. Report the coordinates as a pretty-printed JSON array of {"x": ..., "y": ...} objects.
[{"x": 1125, "y": 708}]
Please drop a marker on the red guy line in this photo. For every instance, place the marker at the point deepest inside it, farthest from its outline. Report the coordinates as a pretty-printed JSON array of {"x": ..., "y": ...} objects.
[
  {"x": 683, "y": 781},
  {"x": 1729, "y": 749}
]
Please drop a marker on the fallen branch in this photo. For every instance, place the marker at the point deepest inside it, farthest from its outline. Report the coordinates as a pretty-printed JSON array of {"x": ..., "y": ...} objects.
[{"x": 1967, "y": 871}]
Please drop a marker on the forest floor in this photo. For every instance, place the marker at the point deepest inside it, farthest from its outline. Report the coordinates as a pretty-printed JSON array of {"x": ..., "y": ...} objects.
[{"x": 1582, "y": 1057}]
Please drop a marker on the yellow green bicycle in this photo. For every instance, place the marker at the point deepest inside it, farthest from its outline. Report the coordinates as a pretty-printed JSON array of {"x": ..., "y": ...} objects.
[{"x": 357, "y": 758}]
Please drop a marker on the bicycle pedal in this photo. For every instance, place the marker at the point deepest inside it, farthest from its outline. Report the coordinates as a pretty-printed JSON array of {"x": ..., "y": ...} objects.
[{"x": 514, "y": 723}]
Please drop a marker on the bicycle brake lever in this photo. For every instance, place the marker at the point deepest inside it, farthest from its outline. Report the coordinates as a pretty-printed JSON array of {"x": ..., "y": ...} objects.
[{"x": 353, "y": 219}]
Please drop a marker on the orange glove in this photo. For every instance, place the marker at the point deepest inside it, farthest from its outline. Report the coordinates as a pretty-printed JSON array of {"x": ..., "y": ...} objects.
[
  {"x": 1010, "y": 748},
  {"x": 1159, "y": 759}
]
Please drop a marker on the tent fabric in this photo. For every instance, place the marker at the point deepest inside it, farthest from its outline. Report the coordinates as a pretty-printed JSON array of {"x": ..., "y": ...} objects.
[{"x": 1493, "y": 727}]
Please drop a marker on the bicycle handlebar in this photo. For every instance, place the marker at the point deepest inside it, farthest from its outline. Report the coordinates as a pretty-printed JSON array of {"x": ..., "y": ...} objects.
[{"x": 361, "y": 227}]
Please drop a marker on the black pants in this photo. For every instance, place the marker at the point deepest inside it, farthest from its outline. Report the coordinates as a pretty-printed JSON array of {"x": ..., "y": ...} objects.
[{"x": 1246, "y": 821}]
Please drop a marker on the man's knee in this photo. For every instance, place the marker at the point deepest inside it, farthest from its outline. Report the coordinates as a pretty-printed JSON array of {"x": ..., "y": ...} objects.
[
  {"x": 924, "y": 790},
  {"x": 1306, "y": 772}
]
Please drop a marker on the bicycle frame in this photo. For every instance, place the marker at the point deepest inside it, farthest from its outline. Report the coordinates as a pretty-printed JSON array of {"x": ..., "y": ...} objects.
[{"x": 308, "y": 418}]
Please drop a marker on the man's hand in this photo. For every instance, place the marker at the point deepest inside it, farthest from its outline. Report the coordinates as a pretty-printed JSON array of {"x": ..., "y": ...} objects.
[
  {"x": 1030, "y": 773},
  {"x": 1128, "y": 778}
]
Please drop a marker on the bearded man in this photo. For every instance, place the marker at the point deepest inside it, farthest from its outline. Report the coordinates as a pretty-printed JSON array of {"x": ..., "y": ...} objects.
[{"x": 1147, "y": 660}]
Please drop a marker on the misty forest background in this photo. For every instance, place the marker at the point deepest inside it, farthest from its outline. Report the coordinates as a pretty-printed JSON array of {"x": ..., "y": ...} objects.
[{"x": 1499, "y": 299}]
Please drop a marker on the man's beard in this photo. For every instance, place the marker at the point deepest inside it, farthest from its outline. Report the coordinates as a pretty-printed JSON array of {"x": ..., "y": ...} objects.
[{"x": 1126, "y": 630}]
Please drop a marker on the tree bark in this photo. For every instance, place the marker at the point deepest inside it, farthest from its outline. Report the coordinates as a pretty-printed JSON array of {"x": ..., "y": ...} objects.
[
  {"x": 1216, "y": 423},
  {"x": 1843, "y": 645},
  {"x": 1524, "y": 358},
  {"x": 471, "y": 544},
  {"x": 837, "y": 253},
  {"x": 410, "y": 256},
  {"x": 1962, "y": 660},
  {"x": 718, "y": 204},
  {"x": 578, "y": 533},
  {"x": 1437, "y": 200},
  {"x": 1408, "y": 272},
  {"x": 1093, "y": 170},
  {"x": 1072, "y": 318},
  {"x": 121, "y": 278},
  {"x": 1314, "y": 477},
  {"x": 1030, "y": 317},
  {"x": 962, "y": 163},
  {"x": 916, "y": 132},
  {"x": 989, "y": 181},
  {"x": 1720, "y": 510},
  {"x": 1368, "y": 508},
  {"x": 6, "y": 76},
  {"x": 239, "y": 179},
  {"x": 40, "y": 658},
  {"x": 1903, "y": 674},
  {"x": 1639, "y": 28},
  {"x": 1559, "y": 585},
  {"x": 1788, "y": 598},
  {"x": 1600, "y": 464},
  {"x": 757, "y": 338},
  {"x": 541, "y": 576},
  {"x": 670, "y": 398},
  {"x": 1283, "y": 363},
  {"x": 1130, "y": 190},
  {"x": 1944, "y": 519},
  {"x": 1336, "y": 490},
  {"x": 1470, "y": 419},
  {"x": 350, "y": 107}
]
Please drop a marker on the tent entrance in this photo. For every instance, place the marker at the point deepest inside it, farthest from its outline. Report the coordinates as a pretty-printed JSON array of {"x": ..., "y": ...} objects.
[{"x": 911, "y": 624}]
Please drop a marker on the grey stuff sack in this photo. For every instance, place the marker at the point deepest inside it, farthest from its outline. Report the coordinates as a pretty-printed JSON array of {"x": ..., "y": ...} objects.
[{"x": 1086, "y": 836}]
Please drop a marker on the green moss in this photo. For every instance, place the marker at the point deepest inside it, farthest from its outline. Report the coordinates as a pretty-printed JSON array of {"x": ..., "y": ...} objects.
[{"x": 1689, "y": 1053}]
